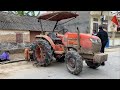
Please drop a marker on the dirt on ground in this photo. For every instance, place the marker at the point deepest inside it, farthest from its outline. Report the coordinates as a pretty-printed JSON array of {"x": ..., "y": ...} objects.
[
  {"x": 17, "y": 56},
  {"x": 7, "y": 69},
  {"x": 16, "y": 70}
]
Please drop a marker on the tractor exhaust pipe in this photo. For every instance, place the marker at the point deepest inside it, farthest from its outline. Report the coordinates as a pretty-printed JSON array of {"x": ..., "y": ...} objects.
[{"x": 78, "y": 38}]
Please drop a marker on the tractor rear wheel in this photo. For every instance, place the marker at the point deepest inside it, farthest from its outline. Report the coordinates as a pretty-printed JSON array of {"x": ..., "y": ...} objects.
[
  {"x": 74, "y": 62},
  {"x": 92, "y": 65},
  {"x": 43, "y": 52}
]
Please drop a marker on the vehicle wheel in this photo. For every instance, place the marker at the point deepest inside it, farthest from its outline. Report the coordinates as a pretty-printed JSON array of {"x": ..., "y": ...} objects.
[
  {"x": 74, "y": 62},
  {"x": 92, "y": 65},
  {"x": 26, "y": 54},
  {"x": 43, "y": 52}
]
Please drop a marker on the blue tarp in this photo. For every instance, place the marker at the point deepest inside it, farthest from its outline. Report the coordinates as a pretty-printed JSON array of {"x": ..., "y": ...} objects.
[{"x": 4, "y": 56}]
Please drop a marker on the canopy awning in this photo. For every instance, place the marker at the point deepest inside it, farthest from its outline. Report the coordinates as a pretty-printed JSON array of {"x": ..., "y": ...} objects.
[{"x": 57, "y": 16}]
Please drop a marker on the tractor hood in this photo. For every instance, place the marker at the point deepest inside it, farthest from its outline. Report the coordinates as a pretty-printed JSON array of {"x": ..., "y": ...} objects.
[{"x": 57, "y": 16}]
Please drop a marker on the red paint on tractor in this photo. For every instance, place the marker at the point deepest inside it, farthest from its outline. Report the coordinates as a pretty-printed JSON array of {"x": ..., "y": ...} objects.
[{"x": 84, "y": 39}]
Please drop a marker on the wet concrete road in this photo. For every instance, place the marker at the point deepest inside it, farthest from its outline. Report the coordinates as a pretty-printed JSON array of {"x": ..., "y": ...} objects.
[{"x": 58, "y": 70}]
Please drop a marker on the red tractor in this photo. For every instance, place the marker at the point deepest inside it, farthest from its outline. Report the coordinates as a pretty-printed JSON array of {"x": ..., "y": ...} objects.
[{"x": 71, "y": 47}]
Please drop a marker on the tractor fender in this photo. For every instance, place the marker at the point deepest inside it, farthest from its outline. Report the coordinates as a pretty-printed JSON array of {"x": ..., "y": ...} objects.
[
  {"x": 26, "y": 54},
  {"x": 48, "y": 39}
]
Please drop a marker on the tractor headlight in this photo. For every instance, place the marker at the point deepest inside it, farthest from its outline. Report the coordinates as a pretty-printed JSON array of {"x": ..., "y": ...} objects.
[
  {"x": 99, "y": 41},
  {"x": 94, "y": 40}
]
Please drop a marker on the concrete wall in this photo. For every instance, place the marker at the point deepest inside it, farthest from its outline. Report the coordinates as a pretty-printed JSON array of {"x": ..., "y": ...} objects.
[
  {"x": 115, "y": 42},
  {"x": 33, "y": 34}
]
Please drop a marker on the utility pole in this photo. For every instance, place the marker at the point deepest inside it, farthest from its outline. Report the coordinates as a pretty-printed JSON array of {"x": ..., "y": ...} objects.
[{"x": 102, "y": 17}]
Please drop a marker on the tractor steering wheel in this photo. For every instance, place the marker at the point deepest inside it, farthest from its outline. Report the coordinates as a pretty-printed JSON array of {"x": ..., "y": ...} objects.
[{"x": 63, "y": 30}]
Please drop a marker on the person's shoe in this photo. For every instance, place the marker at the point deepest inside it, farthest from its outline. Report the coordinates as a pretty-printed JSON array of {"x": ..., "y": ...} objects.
[{"x": 103, "y": 63}]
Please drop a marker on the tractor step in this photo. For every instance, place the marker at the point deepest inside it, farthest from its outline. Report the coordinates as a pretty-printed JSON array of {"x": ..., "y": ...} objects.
[{"x": 59, "y": 52}]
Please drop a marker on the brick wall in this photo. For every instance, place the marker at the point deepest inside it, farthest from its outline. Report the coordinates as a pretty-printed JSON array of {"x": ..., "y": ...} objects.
[
  {"x": 10, "y": 35},
  {"x": 8, "y": 39}
]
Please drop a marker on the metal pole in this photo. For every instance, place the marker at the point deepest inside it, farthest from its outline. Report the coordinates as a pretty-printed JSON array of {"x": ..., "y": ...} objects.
[
  {"x": 55, "y": 25},
  {"x": 78, "y": 38},
  {"x": 41, "y": 26},
  {"x": 101, "y": 17}
]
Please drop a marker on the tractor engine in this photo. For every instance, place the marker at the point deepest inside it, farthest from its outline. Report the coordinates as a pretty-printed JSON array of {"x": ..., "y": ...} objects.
[{"x": 88, "y": 44}]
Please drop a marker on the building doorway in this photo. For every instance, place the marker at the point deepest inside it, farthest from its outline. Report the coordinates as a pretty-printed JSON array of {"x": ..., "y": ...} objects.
[
  {"x": 19, "y": 38},
  {"x": 95, "y": 24}
]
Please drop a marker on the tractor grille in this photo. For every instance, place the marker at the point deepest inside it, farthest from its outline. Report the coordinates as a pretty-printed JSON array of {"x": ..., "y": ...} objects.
[{"x": 96, "y": 47}]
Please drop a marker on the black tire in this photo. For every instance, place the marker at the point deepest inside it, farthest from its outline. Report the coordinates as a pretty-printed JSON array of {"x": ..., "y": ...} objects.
[
  {"x": 32, "y": 48},
  {"x": 78, "y": 63},
  {"x": 32, "y": 56},
  {"x": 92, "y": 65},
  {"x": 47, "y": 49}
]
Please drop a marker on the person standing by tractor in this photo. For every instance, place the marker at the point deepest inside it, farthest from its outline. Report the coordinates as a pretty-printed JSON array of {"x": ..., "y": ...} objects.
[{"x": 103, "y": 35}]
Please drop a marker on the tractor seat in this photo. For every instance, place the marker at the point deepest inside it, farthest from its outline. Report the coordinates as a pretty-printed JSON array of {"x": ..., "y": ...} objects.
[{"x": 53, "y": 36}]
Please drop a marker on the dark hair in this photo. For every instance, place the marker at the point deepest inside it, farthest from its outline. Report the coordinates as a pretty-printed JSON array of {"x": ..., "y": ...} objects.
[{"x": 100, "y": 27}]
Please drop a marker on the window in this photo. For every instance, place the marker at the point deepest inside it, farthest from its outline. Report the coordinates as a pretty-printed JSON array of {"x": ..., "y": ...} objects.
[
  {"x": 95, "y": 26},
  {"x": 105, "y": 21},
  {"x": 19, "y": 38},
  {"x": 95, "y": 19},
  {"x": 118, "y": 28}
]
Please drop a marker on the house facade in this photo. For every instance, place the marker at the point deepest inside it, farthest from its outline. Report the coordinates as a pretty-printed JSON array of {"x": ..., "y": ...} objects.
[
  {"x": 16, "y": 31},
  {"x": 113, "y": 31}
]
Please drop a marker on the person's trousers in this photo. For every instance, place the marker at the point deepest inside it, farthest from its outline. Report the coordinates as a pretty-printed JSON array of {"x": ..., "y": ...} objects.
[{"x": 103, "y": 46}]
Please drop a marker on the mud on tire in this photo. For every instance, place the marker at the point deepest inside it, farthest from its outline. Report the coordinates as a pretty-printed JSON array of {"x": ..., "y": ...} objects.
[
  {"x": 46, "y": 49},
  {"x": 77, "y": 66},
  {"x": 92, "y": 65}
]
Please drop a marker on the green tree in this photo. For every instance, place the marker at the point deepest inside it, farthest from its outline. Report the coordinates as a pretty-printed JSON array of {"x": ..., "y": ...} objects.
[{"x": 25, "y": 13}]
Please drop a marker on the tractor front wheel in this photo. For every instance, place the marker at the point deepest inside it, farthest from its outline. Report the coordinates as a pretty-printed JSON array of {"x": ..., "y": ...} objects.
[
  {"x": 74, "y": 62},
  {"x": 43, "y": 52}
]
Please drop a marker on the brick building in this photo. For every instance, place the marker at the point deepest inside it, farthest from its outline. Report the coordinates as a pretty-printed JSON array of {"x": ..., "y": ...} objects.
[{"x": 16, "y": 31}]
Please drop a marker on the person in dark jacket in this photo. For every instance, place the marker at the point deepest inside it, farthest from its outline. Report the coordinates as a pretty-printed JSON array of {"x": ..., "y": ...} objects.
[{"x": 103, "y": 35}]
